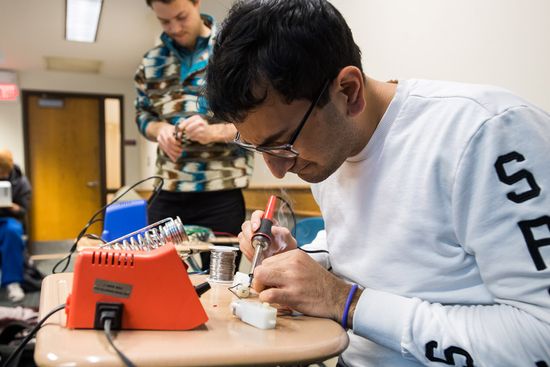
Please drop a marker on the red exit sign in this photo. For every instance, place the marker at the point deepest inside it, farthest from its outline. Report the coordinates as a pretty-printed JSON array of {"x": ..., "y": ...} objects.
[{"x": 9, "y": 92}]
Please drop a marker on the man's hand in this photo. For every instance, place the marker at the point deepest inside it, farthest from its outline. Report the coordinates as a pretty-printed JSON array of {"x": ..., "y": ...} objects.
[
  {"x": 282, "y": 239},
  {"x": 295, "y": 280},
  {"x": 167, "y": 141},
  {"x": 15, "y": 208},
  {"x": 197, "y": 129}
]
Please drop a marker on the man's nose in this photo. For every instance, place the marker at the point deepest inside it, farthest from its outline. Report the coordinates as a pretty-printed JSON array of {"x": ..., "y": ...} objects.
[
  {"x": 173, "y": 27},
  {"x": 278, "y": 166}
]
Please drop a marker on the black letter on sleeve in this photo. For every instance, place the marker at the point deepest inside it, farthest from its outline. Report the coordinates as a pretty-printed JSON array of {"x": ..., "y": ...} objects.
[
  {"x": 533, "y": 244},
  {"x": 516, "y": 177},
  {"x": 449, "y": 354}
]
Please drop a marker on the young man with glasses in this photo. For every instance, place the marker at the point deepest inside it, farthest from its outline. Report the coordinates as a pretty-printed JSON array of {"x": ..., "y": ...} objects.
[{"x": 435, "y": 195}]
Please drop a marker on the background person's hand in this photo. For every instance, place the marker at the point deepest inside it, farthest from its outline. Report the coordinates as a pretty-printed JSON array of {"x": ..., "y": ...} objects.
[
  {"x": 295, "y": 280},
  {"x": 197, "y": 129},
  {"x": 282, "y": 239},
  {"x": 15, "y": 208},
  {"x": 168, "y": 143}
]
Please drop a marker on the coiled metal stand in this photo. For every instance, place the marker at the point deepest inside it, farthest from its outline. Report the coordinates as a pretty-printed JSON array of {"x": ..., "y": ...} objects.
[{"x": 151, "y": 237}]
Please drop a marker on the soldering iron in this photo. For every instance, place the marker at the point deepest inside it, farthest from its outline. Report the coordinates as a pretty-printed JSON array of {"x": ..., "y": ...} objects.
[{"x": 263, "y": 237}]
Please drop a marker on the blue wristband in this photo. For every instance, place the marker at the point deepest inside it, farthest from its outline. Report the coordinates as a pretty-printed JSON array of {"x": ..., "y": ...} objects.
[{"x": 348, "y": 304}]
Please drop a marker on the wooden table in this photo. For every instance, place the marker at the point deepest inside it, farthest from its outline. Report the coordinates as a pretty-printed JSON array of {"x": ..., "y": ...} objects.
[{"x": 223, "y": 341}]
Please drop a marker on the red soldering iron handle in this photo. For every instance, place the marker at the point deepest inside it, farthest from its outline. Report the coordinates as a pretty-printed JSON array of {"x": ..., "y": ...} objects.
[
  {"x": 263, "y": 237},
  {"x": 267, "y": 221},
  {"x": 270, "y": 208}
]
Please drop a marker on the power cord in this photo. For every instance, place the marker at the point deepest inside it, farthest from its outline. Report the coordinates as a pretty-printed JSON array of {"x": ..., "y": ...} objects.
[
  {"x": 108, "y": 316},
  {"x": 107, "y": 328},
  {"x": 156, "y": 190},
  {"x": 67, "y": 259},
  {"x": 313, "y": 251},
  {"x": 285, "y": 202},
  {"x": 31, "y": 334}
]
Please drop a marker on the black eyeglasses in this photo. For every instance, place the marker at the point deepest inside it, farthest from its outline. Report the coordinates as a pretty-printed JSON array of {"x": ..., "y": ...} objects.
[{"x": 287, "y": 150}]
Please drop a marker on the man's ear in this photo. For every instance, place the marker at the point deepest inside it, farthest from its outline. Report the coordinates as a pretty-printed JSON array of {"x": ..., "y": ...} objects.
[{"x": 351, "y": 84}]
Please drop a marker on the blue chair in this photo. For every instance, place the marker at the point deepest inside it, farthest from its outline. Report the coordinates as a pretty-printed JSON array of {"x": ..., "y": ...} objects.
[
  {"x": 124, "y": 217},
  {"x": 307, "y": 228}
]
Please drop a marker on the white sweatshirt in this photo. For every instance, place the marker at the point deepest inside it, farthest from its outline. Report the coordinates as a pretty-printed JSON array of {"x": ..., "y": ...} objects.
[{"x": 444, "y": 219}]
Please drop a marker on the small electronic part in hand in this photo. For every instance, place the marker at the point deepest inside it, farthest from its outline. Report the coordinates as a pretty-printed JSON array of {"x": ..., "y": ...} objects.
[{"x": 179, "y": 134}]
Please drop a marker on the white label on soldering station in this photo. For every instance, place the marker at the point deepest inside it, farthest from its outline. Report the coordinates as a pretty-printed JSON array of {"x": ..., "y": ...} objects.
[{"x": 111, "y": 288}]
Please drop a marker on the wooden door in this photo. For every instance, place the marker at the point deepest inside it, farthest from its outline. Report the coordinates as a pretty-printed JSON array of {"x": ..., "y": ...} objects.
[{"x": 64, "y": 164}]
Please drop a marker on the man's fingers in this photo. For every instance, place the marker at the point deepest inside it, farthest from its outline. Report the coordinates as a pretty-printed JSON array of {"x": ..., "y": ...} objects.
[
  {"x": 277, "y": 261},
  {"x": 182, "y": 125},
  {"x": 168, "y": 141},
  {"x": 194, "y": 125},
  {"x": 283, "y": 236},
  {"x": 256, "y": 219},
  {"x": 271, "y": 277},
  {"x": 250, "y": 226},
  {"x": 173, "y": 152},
  {"x": 245, "y": 246},
  {"x": 246, "y": 229},
  {"x": 280, "y": 296},
  {"x": 169, "y": 145}
]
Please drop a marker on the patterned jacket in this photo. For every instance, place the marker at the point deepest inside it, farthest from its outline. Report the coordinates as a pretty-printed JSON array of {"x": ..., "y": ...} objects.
[{"x": 170, "y": 82}]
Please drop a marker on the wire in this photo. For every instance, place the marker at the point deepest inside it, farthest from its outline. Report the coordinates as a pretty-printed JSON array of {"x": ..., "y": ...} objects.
[
  {"x": 291, "y": 213},
  {"x": 156, "y": 191},
  {"x": 28, "y": 338},
  {"x": 313, "y": 251},
  {"x": 230, "y": 289},
  {"x": 224, "y": 234},
  {"x": 34, "y": 330},
  {"x": 94, "y": 220},
  {"x": 293, "y": 232},
  {"x": 107, "y": 329}
]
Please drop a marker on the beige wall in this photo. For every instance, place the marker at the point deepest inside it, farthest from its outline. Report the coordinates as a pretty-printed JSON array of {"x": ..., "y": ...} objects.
[
  {"x": 11, "y": 129},
  {"x": 498, "y": 42}
]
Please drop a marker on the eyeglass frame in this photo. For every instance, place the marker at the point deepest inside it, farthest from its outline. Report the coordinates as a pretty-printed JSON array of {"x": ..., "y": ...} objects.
[{"x": 289, "y": 147}]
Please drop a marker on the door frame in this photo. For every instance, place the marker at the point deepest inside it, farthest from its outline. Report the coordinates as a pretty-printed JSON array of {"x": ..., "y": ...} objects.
[{"x": 26, "y": 93}]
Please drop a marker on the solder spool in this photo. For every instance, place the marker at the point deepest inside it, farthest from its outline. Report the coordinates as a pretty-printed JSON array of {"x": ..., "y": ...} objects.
[{"x": 222, "y": 264}]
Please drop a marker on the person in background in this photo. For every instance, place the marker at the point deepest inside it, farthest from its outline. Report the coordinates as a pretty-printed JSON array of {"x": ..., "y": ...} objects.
[
  {"x": 435, "y": 195},
  {"x": 204, "y": 172},
  {"x": 12, "y": 246}
]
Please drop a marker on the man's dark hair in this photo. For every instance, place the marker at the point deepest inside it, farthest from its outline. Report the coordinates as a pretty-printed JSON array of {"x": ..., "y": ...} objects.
[{"x": 293, "y": 46}]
